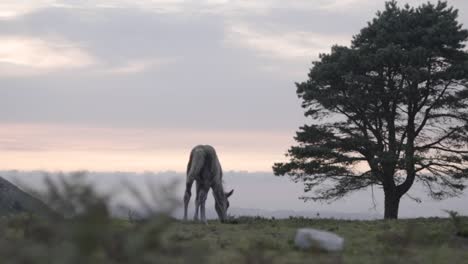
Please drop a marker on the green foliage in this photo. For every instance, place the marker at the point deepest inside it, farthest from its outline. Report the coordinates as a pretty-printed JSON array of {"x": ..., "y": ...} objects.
[
  {"x": 460, "y": 224},
  {"x": 90, "y": 235},
  {"x": 262, "y": 240},
  {"x": 394, "y": 104},
  {"x": 83, "y": 231}
]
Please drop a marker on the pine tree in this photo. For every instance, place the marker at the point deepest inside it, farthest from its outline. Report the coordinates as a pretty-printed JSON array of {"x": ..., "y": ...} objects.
[{"x": 389, "y": 110}]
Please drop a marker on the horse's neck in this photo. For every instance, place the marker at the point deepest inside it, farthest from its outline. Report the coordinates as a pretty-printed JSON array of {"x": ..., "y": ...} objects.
[{"x": 218, "y": 190}]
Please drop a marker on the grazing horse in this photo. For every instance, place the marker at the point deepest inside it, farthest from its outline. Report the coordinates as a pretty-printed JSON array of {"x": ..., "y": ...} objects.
[{"x": 205, "y": 169}]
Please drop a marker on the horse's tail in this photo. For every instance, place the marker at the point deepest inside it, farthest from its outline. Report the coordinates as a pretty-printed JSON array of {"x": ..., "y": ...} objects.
[
  {"x": 215, "y": 164},
  {"x": 196, "y": 163}
]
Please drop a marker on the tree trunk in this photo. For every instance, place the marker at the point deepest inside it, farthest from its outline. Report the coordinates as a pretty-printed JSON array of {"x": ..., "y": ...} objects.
[{"x": 392, "y": 203}]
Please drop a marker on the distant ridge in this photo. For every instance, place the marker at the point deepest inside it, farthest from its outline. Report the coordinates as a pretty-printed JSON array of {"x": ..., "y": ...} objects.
[{"x": 13, "y": 200}]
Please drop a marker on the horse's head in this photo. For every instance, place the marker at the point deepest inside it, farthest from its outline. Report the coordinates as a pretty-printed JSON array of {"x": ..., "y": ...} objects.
[{"x": 222, "y": 206}]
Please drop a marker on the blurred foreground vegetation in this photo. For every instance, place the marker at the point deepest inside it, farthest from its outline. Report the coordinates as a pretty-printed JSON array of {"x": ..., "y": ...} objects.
[{"x": 83, "y": 231}]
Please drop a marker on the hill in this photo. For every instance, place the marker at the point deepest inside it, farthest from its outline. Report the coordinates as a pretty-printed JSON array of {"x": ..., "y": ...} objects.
[{"x": 13, "y": 200}]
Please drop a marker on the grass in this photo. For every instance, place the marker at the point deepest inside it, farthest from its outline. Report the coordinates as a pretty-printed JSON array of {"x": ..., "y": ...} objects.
[
  {"x": 256, "y": 240},
  {"x": 82, "y": 231},
  {"x": 100, "y": 239}
]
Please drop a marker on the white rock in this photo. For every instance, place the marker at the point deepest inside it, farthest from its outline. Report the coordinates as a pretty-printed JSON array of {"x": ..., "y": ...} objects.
[{"x": 312, "y": 238}]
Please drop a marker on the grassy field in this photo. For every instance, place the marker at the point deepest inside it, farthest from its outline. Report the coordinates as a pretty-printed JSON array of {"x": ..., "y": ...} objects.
[
  {"x": 255, "y": 240},
  {"x": 245, "y": 240},
  {"x": 85, "y": 233},
  {"x": 99, "y": 239}
]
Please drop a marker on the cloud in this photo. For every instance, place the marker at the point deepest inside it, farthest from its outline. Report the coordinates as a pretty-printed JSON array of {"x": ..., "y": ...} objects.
[
  {"x": 13, "y": 8},
  {"x": 10, "y": 9},
  {"x": 286, "y": 44},
  {"x": 133, "y": 81},
  {"x": 139, "y": 66},
  {"x": 342, "y": 5},
  {"x": 25, "y": 55},
  {"x": 235, "y": 65},
  {"x": 242, "y": 7},
  {"x": 74, "y": 147}
]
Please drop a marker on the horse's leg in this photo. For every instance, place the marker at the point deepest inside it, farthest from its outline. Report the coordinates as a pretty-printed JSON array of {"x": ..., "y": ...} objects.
[
  {"x": 188, "y": 193},
  {"x": 203, "y": 195},
  {"x": 197, "y": 201}
]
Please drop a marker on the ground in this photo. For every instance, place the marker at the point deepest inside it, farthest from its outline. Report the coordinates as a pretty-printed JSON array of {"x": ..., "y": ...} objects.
[
  {"x": 95, "y": 237},
  {"x": 255, "y": 240}
]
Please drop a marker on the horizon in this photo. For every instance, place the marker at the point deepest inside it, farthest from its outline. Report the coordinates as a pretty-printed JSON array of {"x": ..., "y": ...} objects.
[{"x": 246, "y": 186}]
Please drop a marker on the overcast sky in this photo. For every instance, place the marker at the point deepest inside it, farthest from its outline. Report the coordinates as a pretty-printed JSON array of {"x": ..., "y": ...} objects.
[{"x": 134, "y": 84}]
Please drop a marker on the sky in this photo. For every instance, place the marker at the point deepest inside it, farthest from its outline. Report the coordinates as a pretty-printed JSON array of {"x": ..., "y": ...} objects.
[{"x": 133, "y": 85}]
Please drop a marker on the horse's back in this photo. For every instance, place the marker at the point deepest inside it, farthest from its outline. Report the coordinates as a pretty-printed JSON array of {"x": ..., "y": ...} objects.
[{"x": 210, "y": 170}]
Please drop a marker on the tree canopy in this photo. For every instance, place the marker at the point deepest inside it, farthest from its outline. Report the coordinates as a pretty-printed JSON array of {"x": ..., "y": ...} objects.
[{"x": 389, "y": 110}]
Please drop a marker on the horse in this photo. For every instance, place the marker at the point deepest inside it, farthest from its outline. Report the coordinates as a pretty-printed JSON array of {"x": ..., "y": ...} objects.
[{"x": 204, "y": 168}]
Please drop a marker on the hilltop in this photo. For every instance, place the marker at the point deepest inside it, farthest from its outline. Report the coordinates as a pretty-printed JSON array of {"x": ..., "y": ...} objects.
[{"x": 13, "y": 200}]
